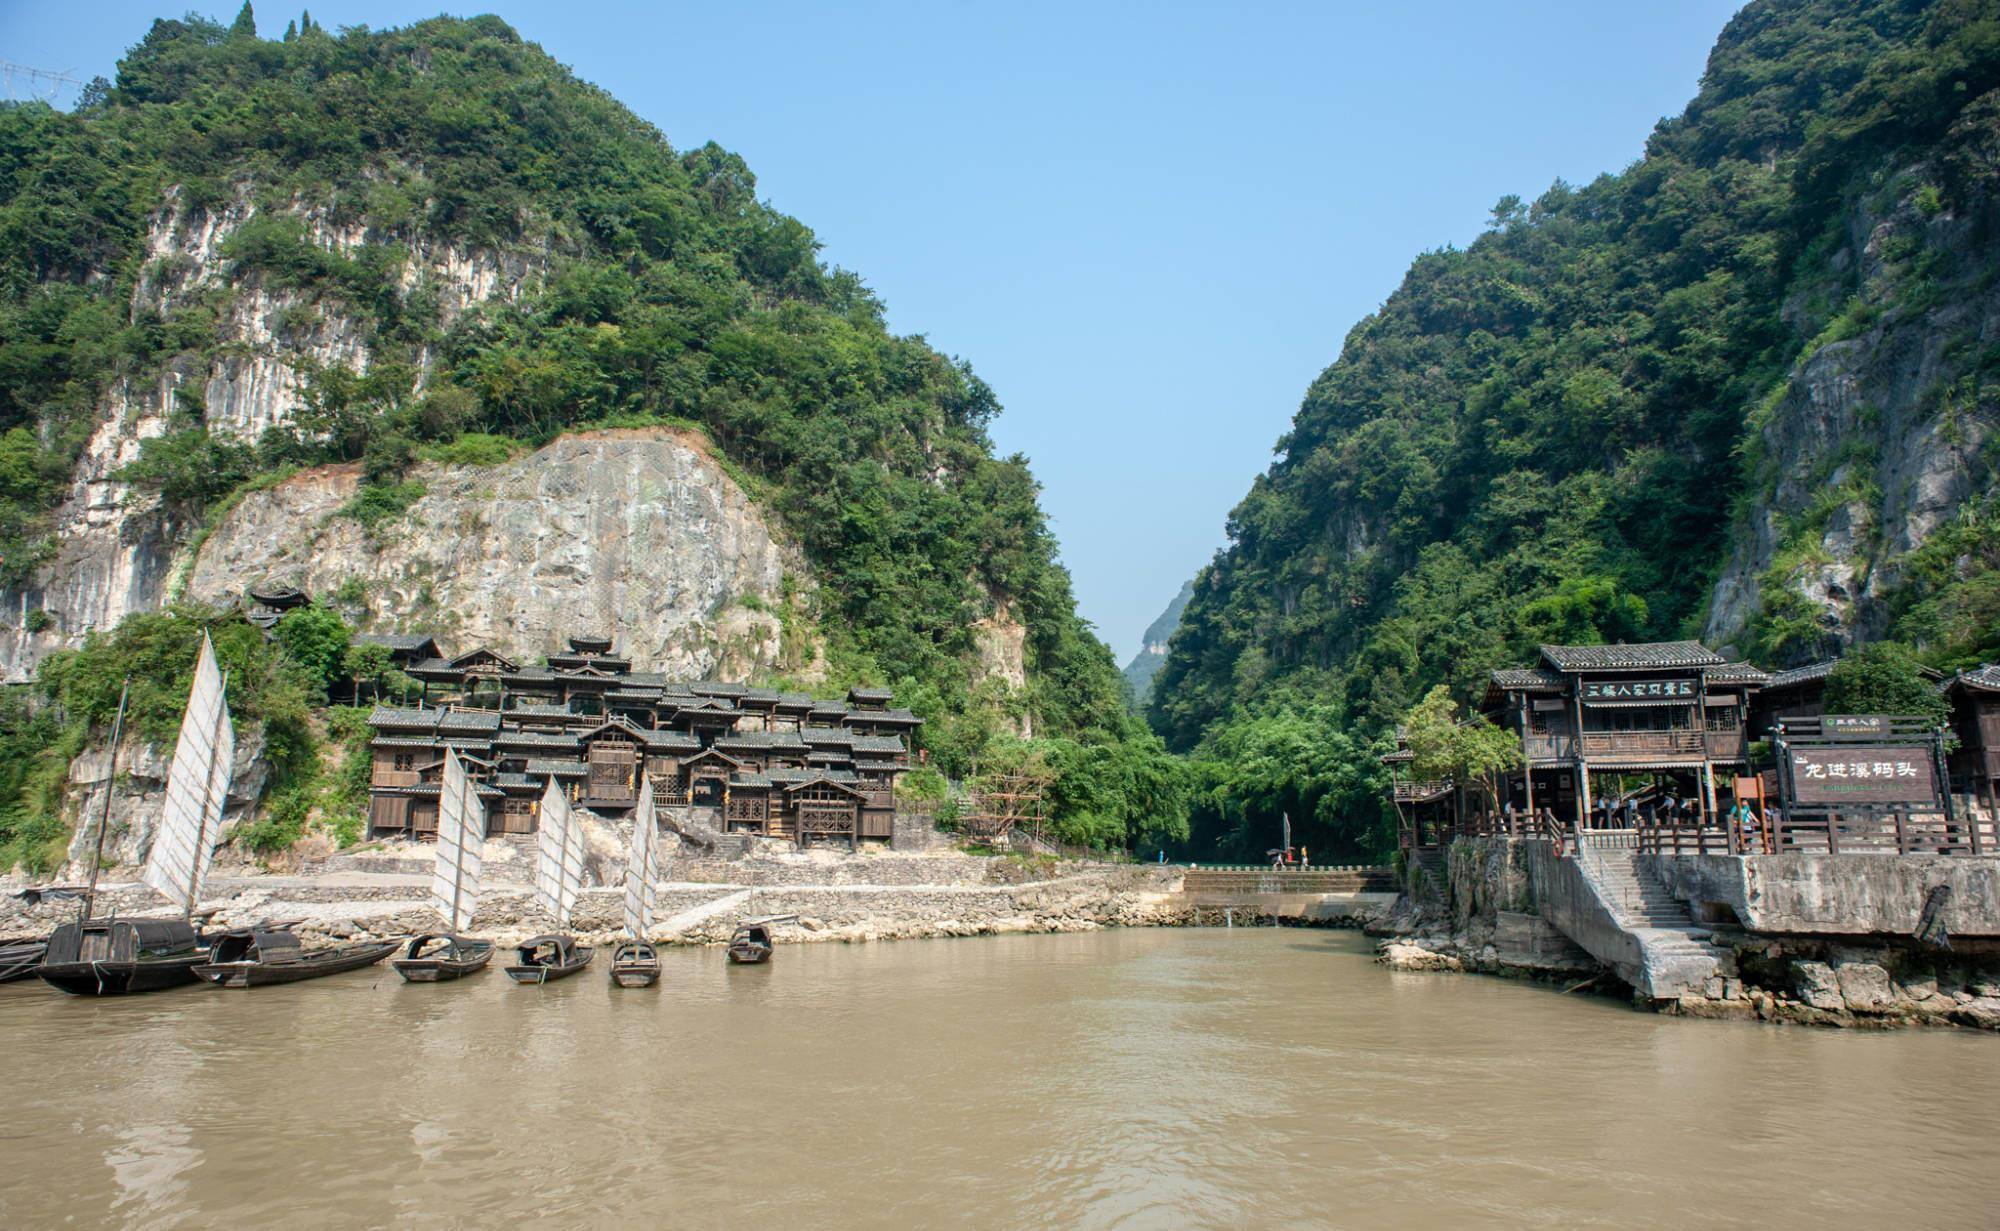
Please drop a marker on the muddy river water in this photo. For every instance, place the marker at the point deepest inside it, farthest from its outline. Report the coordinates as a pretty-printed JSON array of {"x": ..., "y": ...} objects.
[{"x": 1130, "y": 1079}]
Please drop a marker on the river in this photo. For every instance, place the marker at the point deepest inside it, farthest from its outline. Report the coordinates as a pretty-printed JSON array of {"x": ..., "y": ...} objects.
[{"x": 1130, "y": 1079}]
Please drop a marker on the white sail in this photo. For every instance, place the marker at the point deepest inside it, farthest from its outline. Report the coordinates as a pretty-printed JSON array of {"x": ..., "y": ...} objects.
[
  {"x": 460, "y": 845},
  {"x": 197, "y": 787},
  {"x": 559, "y": 855},
  {"x": 639, "y": 871}
]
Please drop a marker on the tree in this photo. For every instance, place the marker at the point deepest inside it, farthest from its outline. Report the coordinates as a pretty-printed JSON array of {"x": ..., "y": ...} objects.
[
  {"x": 315, "y": 638},
  {"x": 1471, "y": 751},
  {"x": 1885, "y": 678},
  {"x": 245, "y": 25}
]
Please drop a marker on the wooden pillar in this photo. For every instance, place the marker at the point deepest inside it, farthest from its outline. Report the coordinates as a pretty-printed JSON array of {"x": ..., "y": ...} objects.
[
  {"x": 1707, "y": 791},
  {"x": 1582, "y": 794}
]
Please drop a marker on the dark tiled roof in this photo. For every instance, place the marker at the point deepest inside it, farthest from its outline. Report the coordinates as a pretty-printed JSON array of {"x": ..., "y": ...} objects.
[
  {"x": 827, "y": 735},
  {"x": 545, "y": 711},
  {"x": 470, "y": 720},
  {"x": 549, "y": 767},
  {"x": 1985, "y": 677},
  {"x": 795, "y": 701},
  {"x": 785, "y": 740},
  {"x": 670, "y": 741},
  {"x": 750, "y": 780},
  {"x": 383, "y": 741},
  {"x": 864, "y": 717},
  {"x": 404, "y": 720},
  {"x": 877, "y": 744},
  {"x": 716, "y": 688},
  {"x": 514, "y": 782},
  {"x": 869, "y": 694},
  {"x": 1655, "y": 655},
  {"x": 517, "y": 738},
  {"x": 1803, "y": 675},
  {"x": 1527, "y": 679},
  {"x": 1737, "y": 673}
]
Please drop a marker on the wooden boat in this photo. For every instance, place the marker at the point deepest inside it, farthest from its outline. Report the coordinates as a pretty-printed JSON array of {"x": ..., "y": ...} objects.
[
  {"x": 19, "y": 955},
  {"x": 634, "y": 963},
  {"x": 248, "y": 957},
  {"x": 436, "y": 957},
  {"x": 752, "y": 943},
  {"x": 547, "y": 958},
  {"x": 117, "y": 957}
]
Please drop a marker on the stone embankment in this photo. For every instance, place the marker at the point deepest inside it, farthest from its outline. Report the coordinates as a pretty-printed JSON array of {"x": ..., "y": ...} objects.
[
  {"x": 836, "y": 897},
  {"x": 1708, "y": 940}
]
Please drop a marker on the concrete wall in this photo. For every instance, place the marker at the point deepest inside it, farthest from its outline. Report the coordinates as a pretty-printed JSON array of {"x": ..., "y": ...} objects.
[{"x": 1845, "y": 895}]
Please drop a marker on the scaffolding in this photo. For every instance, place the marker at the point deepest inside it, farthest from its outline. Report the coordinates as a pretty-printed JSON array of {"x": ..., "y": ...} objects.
[{"x": 1009, "y": 802}]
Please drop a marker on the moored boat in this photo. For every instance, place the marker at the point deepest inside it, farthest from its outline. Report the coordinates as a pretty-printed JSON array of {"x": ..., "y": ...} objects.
[
  {"x": 117, "y": 957},
  {"x": 545, "y": 959},
  {"x": 752, "y": 944},
  {"x": 634, "y": 963},
  {"x": 248, "y": 957},
  {"x": 19, "y": 955},
  {"x": 436, "y": 957}
]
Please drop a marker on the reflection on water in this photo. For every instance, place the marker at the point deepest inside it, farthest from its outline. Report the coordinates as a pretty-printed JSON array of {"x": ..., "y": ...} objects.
[{"x": 1245, "y": 1078}]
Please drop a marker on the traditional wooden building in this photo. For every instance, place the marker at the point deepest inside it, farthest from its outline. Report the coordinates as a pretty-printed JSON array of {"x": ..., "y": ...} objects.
[
  {"x": 759, "y": 761},
  {"x": 1674, "y": 711},
  {"x": 1975, "y": 720}
]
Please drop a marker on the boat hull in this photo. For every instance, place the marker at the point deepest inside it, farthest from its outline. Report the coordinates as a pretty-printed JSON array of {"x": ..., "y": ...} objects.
[
  {"x": 466, "y": 957},
  {"x": 538, "y": 973},
  {"x": 310, "y": 966},
  {"x": 19, "y": 961},
  {"x": 120, "y": 978},
  {"x": 748, "y": 954}
]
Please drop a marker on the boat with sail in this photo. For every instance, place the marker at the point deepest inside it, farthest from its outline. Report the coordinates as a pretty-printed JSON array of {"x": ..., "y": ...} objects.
[
  {"x": 255, "y": 957},
  {"x": 461, "y": 842},
  {"x": 634, "y": 960},
  {"x": 114, "y": 956},
  {"x": 558, "y": 882}
]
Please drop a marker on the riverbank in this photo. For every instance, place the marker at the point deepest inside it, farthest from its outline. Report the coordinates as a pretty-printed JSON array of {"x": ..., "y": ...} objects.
[
  {"x": 856, "y": 898},
  {"x": 1513, "y": 909}
]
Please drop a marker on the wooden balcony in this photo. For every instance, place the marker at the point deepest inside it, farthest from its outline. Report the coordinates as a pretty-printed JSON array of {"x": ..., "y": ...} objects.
[
  {"x": 1550, "y": 746},
  {"x": 394, "y": 777},
  {"x": 1679, "y": 744}
]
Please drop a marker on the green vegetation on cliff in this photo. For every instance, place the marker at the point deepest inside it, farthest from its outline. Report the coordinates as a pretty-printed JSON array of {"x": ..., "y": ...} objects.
[
  {"x": 656, "y": 288},
  {"x": 1556, "y": 433}
]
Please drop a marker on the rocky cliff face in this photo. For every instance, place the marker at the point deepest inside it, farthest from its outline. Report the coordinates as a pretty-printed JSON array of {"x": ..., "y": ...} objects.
[
  {"x": 116, "y": 545},
  {"x": 1884, "y": 433},
  {"x": 1152, "y": 653},
  {"x": 639, "y": 534}
]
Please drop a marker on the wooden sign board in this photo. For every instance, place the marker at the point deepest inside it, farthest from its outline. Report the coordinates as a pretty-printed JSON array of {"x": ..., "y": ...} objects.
[{"x": 1833, "y": 777}]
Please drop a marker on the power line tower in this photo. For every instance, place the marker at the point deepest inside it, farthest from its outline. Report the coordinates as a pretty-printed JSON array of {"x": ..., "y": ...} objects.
[{"x": 43, "y": 83}]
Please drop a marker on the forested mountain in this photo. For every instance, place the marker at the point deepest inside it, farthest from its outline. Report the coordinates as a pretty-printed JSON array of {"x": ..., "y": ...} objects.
[
  {"x": 1745, "y": 389},
  {"x": 435, "y": 246},
  {"x": 1152, "y": 653}
]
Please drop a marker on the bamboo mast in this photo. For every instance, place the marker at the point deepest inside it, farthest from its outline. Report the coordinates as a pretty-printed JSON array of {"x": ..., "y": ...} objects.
[{"x": 110, "y": 788}]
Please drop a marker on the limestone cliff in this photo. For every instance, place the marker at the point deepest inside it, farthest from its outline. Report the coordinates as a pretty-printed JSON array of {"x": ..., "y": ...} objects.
[
  {"x": 1884, "y": 435},
  {"x": 116, "y": 545},
  {"x": 639, "y": 534}
]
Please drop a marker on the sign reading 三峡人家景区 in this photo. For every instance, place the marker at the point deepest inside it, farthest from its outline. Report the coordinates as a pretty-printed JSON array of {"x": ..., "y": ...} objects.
[
  {"x": 1638, "y": 690},
  {"x": 1872, "y": 775}
]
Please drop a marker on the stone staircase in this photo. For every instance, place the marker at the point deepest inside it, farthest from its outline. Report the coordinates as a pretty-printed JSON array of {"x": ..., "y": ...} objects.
[{"x": 1677, "y": 956}]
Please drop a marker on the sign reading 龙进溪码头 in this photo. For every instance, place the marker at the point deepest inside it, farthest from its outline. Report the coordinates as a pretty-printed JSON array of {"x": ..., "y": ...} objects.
[
  {"x": 1638, "y": 690},
  {"x": 1872, "y": 775}
]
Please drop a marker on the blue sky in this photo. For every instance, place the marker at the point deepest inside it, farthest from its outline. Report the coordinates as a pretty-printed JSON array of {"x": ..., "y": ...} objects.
[{"x": 1147, "y": 226}]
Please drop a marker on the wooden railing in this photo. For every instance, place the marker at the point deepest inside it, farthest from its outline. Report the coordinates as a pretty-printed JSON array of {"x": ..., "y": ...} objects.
[
  {"x": 1551, "y": 746},
  {"x": 1682, "y": 742},
  {"x": 1893, "y": 834},
  {"x": 1686, "y": 836}
]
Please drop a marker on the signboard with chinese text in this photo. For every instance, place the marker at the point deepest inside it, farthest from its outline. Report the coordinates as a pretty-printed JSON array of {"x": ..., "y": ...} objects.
[
  {"x": 1827, "y": 776},
  {"x": 1854, "y": 726},
  {"x": 1665, "y": 691}
]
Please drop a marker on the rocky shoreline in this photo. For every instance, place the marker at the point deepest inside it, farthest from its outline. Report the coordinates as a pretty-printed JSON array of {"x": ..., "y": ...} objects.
[
  {"x": 844, "y": 898},
  {"x": 1480, "y": 917}
]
